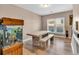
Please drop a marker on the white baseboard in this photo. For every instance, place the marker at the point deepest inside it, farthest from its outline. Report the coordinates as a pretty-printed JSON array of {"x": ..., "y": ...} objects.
[{"x": 24, "y": 40}]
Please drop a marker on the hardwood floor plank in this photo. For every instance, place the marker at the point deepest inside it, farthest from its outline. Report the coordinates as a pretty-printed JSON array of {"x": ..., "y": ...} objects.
[{"x": 60, "y": 46}]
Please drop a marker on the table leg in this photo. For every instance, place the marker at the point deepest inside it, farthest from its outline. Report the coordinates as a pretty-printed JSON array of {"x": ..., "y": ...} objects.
[{"x": 51, "y": 40}]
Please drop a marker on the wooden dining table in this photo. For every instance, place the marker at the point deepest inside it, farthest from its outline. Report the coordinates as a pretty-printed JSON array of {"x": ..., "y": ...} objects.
[{"x": 36, "y": 36}]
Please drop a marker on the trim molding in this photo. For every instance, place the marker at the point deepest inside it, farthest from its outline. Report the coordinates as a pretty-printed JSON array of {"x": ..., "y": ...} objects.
[
  {"x": 72, "y": 48},
  {"x": 26, "y": 39}
]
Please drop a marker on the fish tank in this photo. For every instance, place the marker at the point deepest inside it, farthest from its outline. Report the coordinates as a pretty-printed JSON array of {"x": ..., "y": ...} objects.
[
  {"x": 1, "y": 35},
  {"x": 10, "y": 34}
]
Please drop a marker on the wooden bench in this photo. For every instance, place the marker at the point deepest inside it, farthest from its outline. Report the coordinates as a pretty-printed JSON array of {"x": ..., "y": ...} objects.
[{"x": 44, "y": 43}]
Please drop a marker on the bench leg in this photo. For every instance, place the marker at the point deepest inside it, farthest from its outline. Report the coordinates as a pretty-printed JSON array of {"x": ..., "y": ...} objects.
[{"x": 43, "y": 45}]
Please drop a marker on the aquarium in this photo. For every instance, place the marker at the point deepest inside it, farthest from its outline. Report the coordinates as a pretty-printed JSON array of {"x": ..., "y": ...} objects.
[
  {"x": 2, "y": 30},
  {"x": 10, "y": 35},
  {"x": 13, "y": 34},
  {"x": 1, "y": 38}
]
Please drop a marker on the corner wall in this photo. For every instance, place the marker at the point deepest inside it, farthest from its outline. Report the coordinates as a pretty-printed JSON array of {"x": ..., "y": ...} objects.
[
  {"x": 31, "y": 20},
  {"x": 57, "y": 15}
]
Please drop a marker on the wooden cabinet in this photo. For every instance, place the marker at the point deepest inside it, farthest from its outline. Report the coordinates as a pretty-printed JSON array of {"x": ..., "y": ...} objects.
[
  {"x": 12, "y": 21},
  {"x": 16, "y": 49}
]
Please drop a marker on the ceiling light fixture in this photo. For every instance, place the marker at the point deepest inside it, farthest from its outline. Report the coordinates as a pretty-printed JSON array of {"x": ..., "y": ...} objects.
[{"x": 44, "y": 5}]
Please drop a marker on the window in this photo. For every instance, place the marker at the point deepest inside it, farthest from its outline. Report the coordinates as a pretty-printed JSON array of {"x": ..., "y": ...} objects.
[{"x": 56, "y": 25}]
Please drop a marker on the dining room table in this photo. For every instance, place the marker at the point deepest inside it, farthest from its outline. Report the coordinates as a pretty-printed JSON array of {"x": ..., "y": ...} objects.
[{"x": 36, "y": 36}]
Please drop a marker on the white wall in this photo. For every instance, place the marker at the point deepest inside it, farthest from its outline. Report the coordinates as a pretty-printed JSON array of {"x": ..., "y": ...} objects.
[
  {"x": 32, "y": 22},
  {"x": 75, "y": 13},
  {"x": 58, "y": 15},
  {"x": 74, "y": 37}
]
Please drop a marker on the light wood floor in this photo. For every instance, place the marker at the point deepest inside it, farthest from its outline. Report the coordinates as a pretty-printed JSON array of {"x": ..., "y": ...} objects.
[{"x": 60, "y": 46}]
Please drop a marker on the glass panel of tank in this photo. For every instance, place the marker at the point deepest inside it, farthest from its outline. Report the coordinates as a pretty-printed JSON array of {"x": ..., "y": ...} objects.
[
  {"x": 1, "y": 35},
  {"x": 1, "y": 38},
  {"x": 11, "y": 35}
]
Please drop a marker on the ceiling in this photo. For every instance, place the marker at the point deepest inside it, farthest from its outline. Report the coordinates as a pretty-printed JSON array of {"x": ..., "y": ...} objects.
[{"x": 53, "y": 8}]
